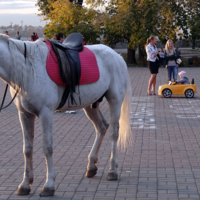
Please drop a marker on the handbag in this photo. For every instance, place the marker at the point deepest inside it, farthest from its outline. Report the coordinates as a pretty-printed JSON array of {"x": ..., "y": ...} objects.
[{"x": 178, "y": 61}]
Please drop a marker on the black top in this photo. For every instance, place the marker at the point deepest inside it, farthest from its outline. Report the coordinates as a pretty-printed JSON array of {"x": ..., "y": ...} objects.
[{"x": 175, "y": 56}]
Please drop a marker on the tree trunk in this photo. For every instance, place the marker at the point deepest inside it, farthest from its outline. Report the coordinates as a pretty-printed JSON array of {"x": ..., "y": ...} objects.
[
  {"x": 77, "y": 2},
  {"x": 141, "y": 54},
  {"x": 131, "y": 56},
  {"x": 193, "y": 44}
]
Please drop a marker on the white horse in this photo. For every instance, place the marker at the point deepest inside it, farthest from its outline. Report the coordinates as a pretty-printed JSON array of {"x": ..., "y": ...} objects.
[{"x": 39, "y": 96}]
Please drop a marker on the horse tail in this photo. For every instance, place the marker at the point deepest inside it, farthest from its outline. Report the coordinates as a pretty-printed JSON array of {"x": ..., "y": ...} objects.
[{"x": 125, "y": 133}]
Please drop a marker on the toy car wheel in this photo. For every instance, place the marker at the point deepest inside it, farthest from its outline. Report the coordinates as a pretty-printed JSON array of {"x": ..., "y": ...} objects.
[
  {"x": 189, "y": 93},
  {"x": 167, "y": 93}
]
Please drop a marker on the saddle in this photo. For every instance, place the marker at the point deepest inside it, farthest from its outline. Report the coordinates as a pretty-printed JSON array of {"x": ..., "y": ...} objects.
[{"x": 69, "y": 63}]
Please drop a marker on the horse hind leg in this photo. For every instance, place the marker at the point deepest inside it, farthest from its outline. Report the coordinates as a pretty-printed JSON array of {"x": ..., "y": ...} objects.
[
  {"x": 115, "y": 100},
  {"x": 101, "y": 127},
  {"x": 104, "y": 120},
  {"x": 27, "y": 123}
]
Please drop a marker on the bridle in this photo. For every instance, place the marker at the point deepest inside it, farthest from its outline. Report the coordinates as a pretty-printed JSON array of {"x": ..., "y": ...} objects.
[{"x": 6, "y": 89}]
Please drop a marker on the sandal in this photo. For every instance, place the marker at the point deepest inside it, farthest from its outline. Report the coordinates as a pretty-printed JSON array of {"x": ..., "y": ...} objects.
[
  {"x": 148, "y": 92},
  {"x": 153, "y": 93}
]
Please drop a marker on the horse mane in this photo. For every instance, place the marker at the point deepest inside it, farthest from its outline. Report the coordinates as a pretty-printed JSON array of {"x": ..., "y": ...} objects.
[
  {"x": 24, "y": 68},
  {"x": 4, "y": 37}
]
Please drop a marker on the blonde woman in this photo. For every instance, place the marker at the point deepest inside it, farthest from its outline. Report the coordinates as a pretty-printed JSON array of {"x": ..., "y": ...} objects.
[
  {"x": 171, "y": 55},
  {"x": 153, "y": 63}
]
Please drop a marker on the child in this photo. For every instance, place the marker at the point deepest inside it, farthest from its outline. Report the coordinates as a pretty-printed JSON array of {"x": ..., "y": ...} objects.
[
  {"x": 162, "y": 56},
  {"x": 184, "y": 78}
]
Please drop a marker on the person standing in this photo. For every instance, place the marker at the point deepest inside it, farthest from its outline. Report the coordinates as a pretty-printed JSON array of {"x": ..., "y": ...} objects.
[
  {"x": 84, "y": 43},
  {"x": 33, "y": 37},
  {"x": 162, "y": 56},
  {"x": 18, "y": 36},
  {"x": 153, "y": 63},
  {"x": 171, "y": 55},
  {"x": 44, "y": 35},
  {"x": 6, "y": 33},
  {"x": 60, "y": 37},
  {"x": 36, "y": 36}
]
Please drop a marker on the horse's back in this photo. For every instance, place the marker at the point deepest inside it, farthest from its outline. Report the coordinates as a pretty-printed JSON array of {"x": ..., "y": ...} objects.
[
  {"x": 113, "y": 67},
  {"x": 108, "y": 58}
]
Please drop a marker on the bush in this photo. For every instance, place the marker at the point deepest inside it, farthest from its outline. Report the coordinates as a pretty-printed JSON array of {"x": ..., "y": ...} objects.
[
  {"x": 196, "y": 61},
  {"x": 184, "y": 62},
  {"x": 140, "y": 63}
]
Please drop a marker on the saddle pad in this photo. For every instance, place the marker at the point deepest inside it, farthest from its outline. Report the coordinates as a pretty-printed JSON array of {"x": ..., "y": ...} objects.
[{"x": 89, "y": 67}]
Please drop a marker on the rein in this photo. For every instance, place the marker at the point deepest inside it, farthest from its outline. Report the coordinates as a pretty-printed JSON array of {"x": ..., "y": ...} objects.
[{"x": 6, "y": 89}]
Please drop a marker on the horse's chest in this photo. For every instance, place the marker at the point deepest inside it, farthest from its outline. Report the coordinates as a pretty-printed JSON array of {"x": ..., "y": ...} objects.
[{"x": 26, "y": 105}]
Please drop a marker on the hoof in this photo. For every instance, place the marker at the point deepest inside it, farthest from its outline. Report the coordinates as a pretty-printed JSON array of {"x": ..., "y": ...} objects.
[
  {"x": 23, "y": 191},
  {"x": 112, "y": 176},
  {"x": 47, "y": 192},
  {"x": 106, "y": 125},
  {"x": 31, "y": 181},
  {"x": 91, "y": 173}
]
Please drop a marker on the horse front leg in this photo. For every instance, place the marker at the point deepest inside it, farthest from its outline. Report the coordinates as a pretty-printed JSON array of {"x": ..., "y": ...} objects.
[
  {"x": 46, "y": 117},
  {"x": 27, "y": 124}
]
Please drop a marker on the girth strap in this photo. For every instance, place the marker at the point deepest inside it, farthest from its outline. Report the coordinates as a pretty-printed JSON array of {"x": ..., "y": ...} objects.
[
  {"x": 70, "y": 71},
  {"x": 64, "y": 97},
  {"x": 4, "y": 96}
]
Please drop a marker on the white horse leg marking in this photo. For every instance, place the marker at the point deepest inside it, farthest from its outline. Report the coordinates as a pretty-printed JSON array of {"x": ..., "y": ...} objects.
[
  {"x": 47, "y": 125},
  {"x": 27, "y": 124},
  {"x": 101, "y": 126}
]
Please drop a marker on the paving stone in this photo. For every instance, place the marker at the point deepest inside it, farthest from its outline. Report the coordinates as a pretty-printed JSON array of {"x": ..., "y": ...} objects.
[{"x": 163, "y": 161}]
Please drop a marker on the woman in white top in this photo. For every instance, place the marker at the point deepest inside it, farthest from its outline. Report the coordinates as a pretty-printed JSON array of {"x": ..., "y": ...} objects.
[{"x": 153, "y": 63}]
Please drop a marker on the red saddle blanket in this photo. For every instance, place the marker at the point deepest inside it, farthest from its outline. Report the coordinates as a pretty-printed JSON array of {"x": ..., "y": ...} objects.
[{"x": 89, "y": 67}]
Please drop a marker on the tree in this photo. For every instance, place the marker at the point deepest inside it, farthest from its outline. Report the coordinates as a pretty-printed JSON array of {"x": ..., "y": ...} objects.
[
  {"x": 136, "y": 20},
  {"x": 127, "y": 21},
  {"x": 45, "y": 6},
  {"x": 194, "y": 34},
  {"x": 192, "y": 9},
  {"x": 66, "y": 18}
]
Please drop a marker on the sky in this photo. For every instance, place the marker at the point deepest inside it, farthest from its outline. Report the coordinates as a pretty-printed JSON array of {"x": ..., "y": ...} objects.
[{"x": 16, "y": 11}]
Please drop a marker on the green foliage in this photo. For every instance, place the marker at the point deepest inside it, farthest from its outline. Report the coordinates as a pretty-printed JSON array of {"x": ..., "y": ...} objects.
[
  {"x": 196, "y": 61},
  {"x": 119, "y": 20},
  {"x": 67, "y": 18},
  {"x": 135, "y": 21},
  {"x": 45, "y": 6},
  {"x": 192, "y": 8},
  {"x": 90, "y": 32}
]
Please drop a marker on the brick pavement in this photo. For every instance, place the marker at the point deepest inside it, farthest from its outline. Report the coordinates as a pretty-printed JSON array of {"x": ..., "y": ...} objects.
[{"x": 163, "y": 162}]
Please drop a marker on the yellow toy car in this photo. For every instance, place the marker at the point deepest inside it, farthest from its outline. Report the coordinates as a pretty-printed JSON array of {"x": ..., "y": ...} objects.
[{"x": 174, "y": 88}]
